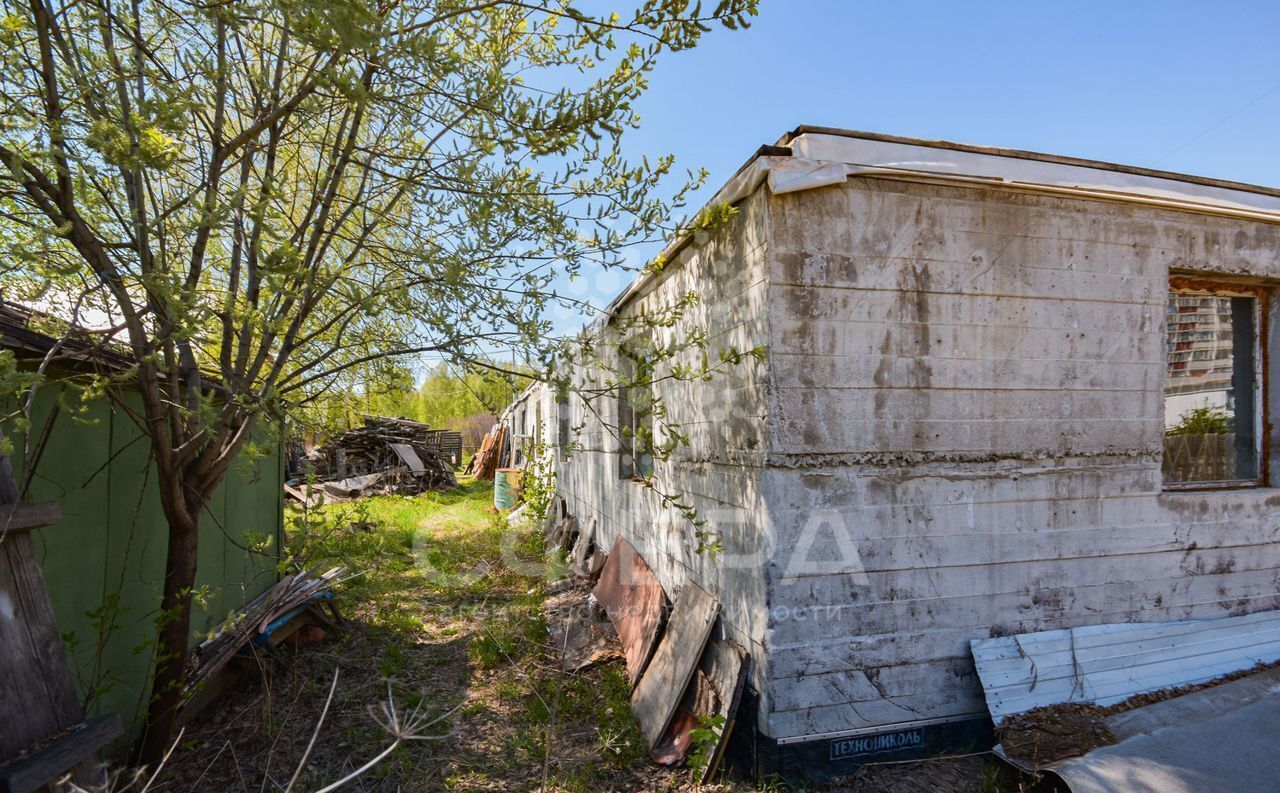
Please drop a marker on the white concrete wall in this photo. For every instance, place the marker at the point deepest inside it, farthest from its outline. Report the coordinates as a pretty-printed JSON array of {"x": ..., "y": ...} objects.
[
  {"x": 719, "y": 472},
  {"x": 530, "y": 419},
  {"x": 966, "y": 421},
  {"x": 956, "y": 434}
]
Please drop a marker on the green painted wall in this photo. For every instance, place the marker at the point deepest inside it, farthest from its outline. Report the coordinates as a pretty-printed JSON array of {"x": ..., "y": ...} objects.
[{"x": 110, "y": 546}]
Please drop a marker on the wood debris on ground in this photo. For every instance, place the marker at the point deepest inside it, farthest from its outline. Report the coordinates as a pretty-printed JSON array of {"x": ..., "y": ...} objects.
[
  {"x": 580, "y": 630},
  {"x": 296, "y": 602},
  {"x": 1040, "y": 736},
  {"x": 1043, "y": 735},
  {"x": 683, "y": 679},
  {"x": 386, "y": 455}
]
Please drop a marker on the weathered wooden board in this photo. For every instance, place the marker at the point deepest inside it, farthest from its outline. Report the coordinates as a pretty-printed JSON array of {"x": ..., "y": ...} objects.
[
  {"x": 37, "y": 694},
  {"x": 634, "y": 601},
  {"x": 583, "y": 547},
  {"x": 563, "y": 533},
  {"x": 660, "y": 689},
  {"x": 21, "y": 517},
  {"x": 716, "y": 690},
  {"x": 725, "y": 665},
  {"x": 79, "y": 744}
]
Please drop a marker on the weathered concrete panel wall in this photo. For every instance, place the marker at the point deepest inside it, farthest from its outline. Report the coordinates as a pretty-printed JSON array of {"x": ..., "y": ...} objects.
[
  {"x": 719, "y": 471},
  {"x": 966, "y": 422}
]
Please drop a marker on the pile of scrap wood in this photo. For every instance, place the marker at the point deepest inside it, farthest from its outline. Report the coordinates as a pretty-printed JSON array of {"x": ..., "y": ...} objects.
[
  {"x": 386, "y": 455},
  {"x": 492, "y": 455},
  {"x": 683, "y": 675},
  {"x": 299, "y": 601}
]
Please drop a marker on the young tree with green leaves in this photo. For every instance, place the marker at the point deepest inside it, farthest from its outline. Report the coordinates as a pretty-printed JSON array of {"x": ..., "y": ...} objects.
[{"x": 264, "y": 197}]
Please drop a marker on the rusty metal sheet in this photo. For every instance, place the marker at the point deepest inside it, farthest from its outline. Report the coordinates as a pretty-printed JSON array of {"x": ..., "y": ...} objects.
[
  {"x": 634, "y": 601},
  {"x": 662, "y": 686},
  {"x": 700, "y": 701}
]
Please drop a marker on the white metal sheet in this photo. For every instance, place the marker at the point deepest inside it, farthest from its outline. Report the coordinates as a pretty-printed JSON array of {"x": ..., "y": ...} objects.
[
  {"x": 1009, "y": 167},
  {"x": 1109, "y": 663}
]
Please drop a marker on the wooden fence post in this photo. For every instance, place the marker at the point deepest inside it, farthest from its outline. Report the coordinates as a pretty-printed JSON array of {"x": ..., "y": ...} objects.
[{"x": 43, "y": 733}]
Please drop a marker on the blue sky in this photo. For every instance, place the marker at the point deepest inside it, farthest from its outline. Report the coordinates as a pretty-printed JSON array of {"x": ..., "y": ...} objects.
[
  {"x": 1191, "y": 87},
  {"x": 1121, "y": 81}
]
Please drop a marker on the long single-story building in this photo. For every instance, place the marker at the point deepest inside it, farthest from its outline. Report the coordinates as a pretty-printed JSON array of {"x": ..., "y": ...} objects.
[{"x": 1000, "y": 392}]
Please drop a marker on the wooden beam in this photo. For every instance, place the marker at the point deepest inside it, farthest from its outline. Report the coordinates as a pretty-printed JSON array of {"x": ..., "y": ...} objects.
[
  {"x": 46, "y": 765},
  {"x": 23, "y": 517},
  {"x": 37, "y": 682}
]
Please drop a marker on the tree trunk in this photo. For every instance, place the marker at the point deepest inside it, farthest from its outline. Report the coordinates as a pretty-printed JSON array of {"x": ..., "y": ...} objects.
[{"x": 174, "y": 622}]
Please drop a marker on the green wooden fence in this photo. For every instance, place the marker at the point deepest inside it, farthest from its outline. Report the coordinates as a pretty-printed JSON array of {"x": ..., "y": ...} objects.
[{"x": 104, "y": 562}]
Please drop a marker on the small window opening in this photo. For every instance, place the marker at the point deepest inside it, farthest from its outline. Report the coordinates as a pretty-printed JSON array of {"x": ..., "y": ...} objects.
[
  {"x": 1213, "y": 387},
  {"x": 635, "y": 413}
]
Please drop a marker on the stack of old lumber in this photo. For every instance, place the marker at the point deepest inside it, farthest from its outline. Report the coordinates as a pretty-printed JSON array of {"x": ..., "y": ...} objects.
[
  {"x": 492, "y": 451},
  {"x": 445, "y": 444},
  {"x": 386, "y": 455},
  {"x": 294, "y": 600}
]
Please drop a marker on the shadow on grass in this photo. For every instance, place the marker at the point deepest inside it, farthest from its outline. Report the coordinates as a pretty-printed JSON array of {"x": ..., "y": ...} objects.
[{"x": 436, "y": 620}]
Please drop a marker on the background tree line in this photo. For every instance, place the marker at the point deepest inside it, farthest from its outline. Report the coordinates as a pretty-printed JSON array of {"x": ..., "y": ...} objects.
[{"x": 465, "y": 398}]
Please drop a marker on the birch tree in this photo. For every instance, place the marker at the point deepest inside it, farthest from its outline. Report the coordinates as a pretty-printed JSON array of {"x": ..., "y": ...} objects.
[{"x": 265, "y": 195}]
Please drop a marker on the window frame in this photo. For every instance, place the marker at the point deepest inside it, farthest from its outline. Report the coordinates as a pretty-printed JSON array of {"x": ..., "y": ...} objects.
[
  {"x": 635, "y": 454},
  {"x": 564, "y": 423},
  {"x": 1224, "y": 287}
]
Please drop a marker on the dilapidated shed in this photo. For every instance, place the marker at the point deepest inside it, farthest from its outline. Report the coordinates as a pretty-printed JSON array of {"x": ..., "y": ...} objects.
[{"x": 1001, "y": 392}]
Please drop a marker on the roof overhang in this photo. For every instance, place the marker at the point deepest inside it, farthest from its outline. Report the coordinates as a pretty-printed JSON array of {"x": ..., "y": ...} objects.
[{"x": 813, "y": 157}]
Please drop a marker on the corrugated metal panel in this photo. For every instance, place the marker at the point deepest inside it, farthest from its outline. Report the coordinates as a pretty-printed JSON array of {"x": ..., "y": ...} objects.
[{"x": 1109, "y": 663}]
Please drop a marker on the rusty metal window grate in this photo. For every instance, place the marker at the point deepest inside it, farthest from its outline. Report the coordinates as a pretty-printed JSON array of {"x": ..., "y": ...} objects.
[{"x": 1213, "y": 386}]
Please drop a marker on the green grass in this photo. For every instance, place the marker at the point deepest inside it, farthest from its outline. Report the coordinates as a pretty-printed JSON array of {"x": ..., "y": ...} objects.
[
  {"x": 445, "y": 603},
  {"x": 408, "y": 555}
]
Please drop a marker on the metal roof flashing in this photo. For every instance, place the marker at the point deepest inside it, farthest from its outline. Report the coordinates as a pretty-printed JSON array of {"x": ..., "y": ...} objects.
[
  {"x": 1023, "y": 154},
  {"x": 812, "y": 157}
]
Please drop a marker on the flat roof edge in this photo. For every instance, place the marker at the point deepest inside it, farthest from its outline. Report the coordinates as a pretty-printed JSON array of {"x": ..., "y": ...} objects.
[{"x": 1022, "y": 154}]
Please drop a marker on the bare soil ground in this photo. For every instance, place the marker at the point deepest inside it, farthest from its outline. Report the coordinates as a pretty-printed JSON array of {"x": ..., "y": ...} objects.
[{"x": 1043, "y": 735}]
